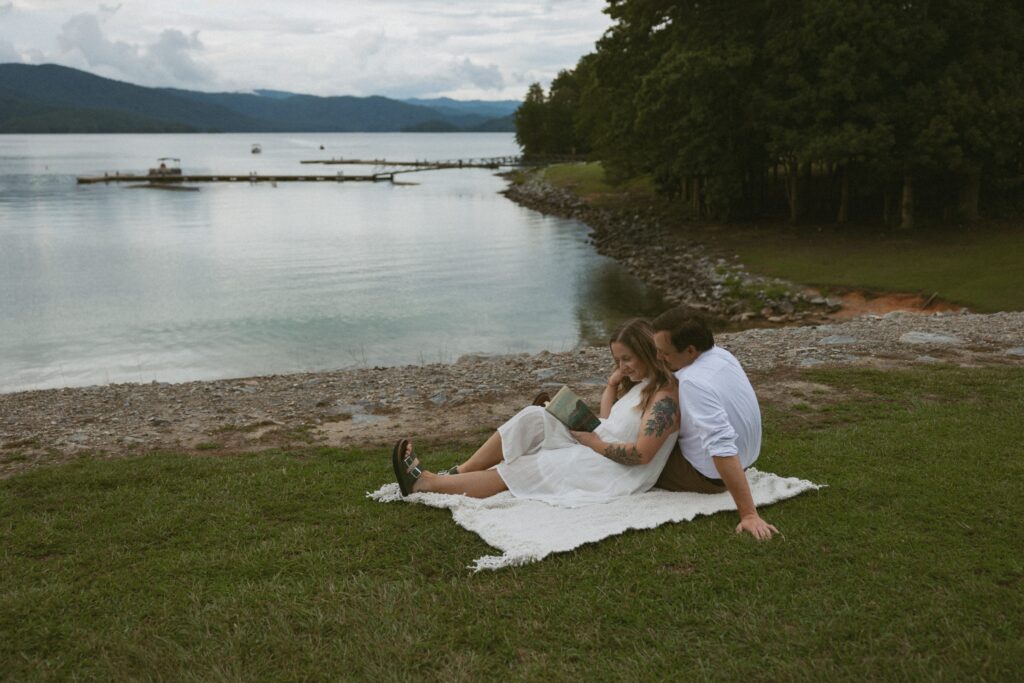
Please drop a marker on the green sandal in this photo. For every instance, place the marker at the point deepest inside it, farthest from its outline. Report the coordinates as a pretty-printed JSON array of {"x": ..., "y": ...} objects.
[{"x": 406, "y": 467}]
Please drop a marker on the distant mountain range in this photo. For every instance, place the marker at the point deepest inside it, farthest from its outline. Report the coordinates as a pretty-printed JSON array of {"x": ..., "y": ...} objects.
[{"x": 49, "y": 98}]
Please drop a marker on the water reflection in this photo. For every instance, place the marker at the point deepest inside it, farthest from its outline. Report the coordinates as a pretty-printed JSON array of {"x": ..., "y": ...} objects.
[
  {"x": 104, "y": 284},
  {"x": 608, "y": 296}
]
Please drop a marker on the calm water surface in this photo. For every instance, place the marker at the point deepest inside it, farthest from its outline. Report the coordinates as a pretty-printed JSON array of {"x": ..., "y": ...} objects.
[{"x": 106, "y": 284}]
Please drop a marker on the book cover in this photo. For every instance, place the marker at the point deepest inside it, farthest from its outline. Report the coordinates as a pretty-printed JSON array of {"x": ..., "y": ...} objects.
[{"x": 572, "y": 411}]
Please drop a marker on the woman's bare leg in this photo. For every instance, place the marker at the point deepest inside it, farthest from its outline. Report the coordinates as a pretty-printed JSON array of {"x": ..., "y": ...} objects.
[
  {"x": 473, "y": 484},
  {"x": 486, "y": 457}
]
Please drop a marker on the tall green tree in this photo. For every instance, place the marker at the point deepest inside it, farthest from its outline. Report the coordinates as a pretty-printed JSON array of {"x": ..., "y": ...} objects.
[
  {"x": 530, "y": 122},
  {"x": 560, "y": 125}
]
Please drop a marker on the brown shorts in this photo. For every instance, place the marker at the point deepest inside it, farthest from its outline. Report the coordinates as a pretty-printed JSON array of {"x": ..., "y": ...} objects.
[{"x": 680, "y": 475}]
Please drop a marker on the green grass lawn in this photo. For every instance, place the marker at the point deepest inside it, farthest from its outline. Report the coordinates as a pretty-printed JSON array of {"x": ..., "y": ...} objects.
[
  {"x": 587, "y": 180},
  {"x": 276, "y": 567}
]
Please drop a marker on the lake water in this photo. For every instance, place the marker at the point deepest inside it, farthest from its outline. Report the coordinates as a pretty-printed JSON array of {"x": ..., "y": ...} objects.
[{"x": 102, "y": 283}]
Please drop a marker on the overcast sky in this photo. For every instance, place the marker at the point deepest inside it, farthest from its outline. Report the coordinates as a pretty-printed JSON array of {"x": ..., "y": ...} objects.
[{"x": 397, "y": 48}]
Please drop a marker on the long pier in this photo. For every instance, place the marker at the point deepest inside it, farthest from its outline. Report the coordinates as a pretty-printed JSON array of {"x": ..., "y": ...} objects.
[
  {"x": 492, "y": 163},
  {"x": 236, "y": 178},
  {"x": 487, "y": 162}
]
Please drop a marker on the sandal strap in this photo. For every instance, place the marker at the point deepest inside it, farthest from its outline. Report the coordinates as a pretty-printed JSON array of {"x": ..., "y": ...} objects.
[{"x": 412, "y": 466}]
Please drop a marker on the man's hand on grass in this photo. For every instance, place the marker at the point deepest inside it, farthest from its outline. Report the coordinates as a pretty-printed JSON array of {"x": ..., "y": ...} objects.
[{"x": 756, "y": 527}]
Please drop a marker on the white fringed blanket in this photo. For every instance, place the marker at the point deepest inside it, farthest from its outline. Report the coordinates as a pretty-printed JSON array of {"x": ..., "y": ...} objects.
[{"x": 528, "y": 531}]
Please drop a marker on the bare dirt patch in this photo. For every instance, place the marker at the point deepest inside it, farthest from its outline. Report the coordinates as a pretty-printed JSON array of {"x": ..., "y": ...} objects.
[{"x": 864, "y": 302}]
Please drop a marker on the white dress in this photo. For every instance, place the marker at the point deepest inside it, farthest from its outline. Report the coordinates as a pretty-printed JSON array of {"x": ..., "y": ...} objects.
[{"x": 544, "y": 462}]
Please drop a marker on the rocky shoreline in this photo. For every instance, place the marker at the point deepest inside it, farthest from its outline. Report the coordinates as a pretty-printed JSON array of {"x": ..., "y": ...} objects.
[
  {"x": 443, "y": 403},
  {"x": 681, "y": 270},
  {"x": 463, "y": 401}
]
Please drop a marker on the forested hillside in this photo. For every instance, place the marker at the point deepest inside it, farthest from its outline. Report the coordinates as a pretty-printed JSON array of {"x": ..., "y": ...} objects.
[{"x": 873, "y": 111}]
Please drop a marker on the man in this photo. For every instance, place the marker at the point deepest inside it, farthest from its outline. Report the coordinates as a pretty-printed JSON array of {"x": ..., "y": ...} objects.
[{"x": 720, "y": 428}]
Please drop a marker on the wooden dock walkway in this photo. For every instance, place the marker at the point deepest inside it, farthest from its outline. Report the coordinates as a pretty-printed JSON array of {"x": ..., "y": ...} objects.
[
  {"x": 236, "y": 178},
  {"x": 492, "y": 163}
]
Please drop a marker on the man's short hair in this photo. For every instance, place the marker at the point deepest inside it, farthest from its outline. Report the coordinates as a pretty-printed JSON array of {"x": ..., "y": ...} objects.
[{"x": 685, "y": 327}]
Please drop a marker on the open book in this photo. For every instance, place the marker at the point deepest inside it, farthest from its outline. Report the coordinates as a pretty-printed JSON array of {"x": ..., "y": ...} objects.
[{"x": 572, "y": 411}]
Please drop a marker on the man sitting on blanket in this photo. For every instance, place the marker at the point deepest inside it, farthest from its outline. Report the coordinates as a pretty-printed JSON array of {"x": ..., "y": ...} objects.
[{"x": 720, "y": 422}]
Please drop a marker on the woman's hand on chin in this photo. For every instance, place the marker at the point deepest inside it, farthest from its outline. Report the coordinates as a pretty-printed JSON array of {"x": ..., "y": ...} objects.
[{"x": 615, "y": 378}]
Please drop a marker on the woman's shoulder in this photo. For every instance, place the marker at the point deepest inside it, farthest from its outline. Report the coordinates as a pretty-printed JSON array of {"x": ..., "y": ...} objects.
[
  {"x": 669, "y": 388},
  {"x": 665, "y": 392}
]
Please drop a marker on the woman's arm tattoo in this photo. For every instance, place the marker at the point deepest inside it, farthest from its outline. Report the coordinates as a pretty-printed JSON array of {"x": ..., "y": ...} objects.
[
  {"x": 662, "y": 416},
  {"x": 623, "y": 455}
]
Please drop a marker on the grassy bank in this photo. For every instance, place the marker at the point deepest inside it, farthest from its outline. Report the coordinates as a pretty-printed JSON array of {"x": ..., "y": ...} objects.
[
  {"x": 979, "y": 268},
  {"x": 275, "y": 567},
  {"x": 588, "y": 181}
]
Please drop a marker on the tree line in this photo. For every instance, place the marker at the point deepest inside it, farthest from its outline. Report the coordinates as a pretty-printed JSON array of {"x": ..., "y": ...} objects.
[{"x": 874, "y": 110}]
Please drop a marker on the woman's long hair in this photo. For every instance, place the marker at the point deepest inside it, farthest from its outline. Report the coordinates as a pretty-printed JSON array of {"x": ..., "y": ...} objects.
[{"x": 638, "y": 336}]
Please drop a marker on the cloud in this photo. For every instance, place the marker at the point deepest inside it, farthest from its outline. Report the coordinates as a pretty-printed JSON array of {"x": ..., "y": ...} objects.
[
  {"x": 83, "y": 32},
  {"x": 7, "y": 52},
  {"x": 485, "y": 77},
  {"x": 399, "y": 65},
  {"x": 172, "y": 51},
  {"x": 325, "y": 47},
  {"x": 34, "y": 56},
  {"x": 169, "y": 60}
]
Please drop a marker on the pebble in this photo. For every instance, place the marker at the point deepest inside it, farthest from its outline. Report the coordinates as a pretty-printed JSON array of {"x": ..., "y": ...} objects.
[
  {"x": 365, "y": 418},
  {"x": 838, "y": 339},
  {"x": 917, "y": 337}
]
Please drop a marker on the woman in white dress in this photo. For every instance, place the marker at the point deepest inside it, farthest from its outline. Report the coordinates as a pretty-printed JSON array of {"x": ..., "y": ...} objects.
[{"x": 533, "y": 455}]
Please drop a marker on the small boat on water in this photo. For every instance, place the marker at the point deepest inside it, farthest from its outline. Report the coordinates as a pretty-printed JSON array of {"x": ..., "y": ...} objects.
[
  {"x": 169, "y": 168},
  {"x": 166, "y": 176},
  {"x": 256, "y": 148}
]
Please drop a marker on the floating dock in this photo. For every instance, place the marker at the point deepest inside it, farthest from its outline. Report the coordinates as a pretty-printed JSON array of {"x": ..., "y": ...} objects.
[{"x": 237, "y": 178}]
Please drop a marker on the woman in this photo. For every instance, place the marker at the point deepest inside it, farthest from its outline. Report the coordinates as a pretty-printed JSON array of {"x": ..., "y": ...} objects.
[{"x": 535, "y": 456}]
